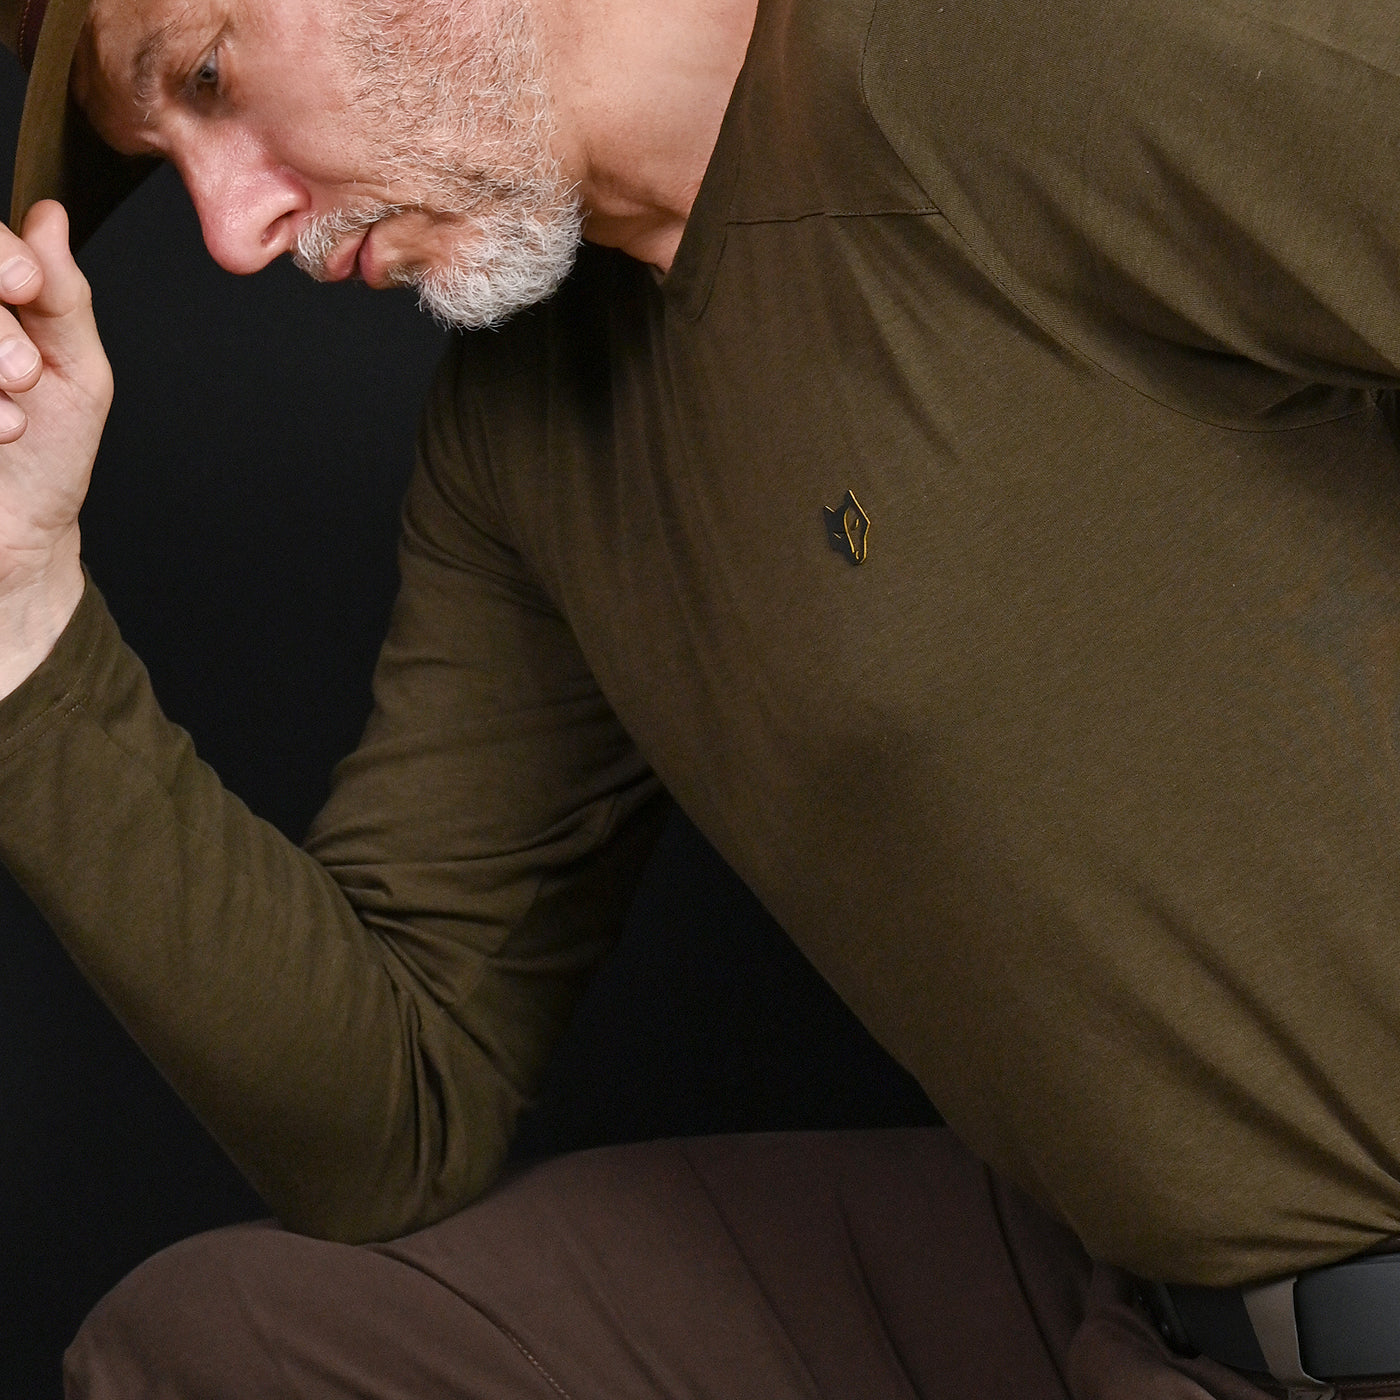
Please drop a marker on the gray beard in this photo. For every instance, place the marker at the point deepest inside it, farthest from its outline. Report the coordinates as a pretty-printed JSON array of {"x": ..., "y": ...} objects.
[
  {"x": 514, "y": 255},
  {"x": 470, "y": 137}
]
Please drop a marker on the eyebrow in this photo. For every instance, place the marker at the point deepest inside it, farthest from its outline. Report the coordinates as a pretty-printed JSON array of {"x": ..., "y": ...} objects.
[{"x": 147, "y": 61}]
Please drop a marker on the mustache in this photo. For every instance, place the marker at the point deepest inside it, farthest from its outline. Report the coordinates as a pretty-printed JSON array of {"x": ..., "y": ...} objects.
[{"x": 321, "y": 235}]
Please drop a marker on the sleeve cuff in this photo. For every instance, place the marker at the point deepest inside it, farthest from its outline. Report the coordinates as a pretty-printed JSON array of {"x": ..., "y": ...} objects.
[{"x": 61, "y": 681}]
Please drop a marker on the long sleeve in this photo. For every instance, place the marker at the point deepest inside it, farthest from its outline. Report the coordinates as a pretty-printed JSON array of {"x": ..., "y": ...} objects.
[{"x": 357, "y": 1023}]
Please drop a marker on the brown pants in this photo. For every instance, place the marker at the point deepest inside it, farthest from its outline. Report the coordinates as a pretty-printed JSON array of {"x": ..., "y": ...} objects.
[{"x": 855, "y": 1266}]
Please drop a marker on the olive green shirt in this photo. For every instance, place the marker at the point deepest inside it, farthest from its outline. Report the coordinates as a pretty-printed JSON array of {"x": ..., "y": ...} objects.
[{"x": 1083, "y": 788}]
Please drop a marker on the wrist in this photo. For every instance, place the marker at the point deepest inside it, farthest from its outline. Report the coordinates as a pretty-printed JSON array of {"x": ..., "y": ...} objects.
[{"x": 34, "y": 610}]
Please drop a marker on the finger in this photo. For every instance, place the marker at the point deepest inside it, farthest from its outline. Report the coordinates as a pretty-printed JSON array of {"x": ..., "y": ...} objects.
[
  {"x": 20, "y": 362},
  {"x": 21, "y": 367},
  {"x": 12, "y": 420},
  {"x": 20, "y": 278},
  {"x": 57, "y": 312}
]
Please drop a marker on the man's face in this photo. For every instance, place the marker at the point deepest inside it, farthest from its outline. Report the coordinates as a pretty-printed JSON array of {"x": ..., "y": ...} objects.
[{"x": 403, "y": 140}]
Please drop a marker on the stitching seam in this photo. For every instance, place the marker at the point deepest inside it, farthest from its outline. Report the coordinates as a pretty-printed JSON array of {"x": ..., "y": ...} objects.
[
  {"x": 750, "y": 220},
  {"x": 529, "y": 1356},
  {"x": 25, "y": 51}
]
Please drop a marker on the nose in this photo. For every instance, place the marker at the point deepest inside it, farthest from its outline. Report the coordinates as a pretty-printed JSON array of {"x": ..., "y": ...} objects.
[{"x": 249, "y": 206}]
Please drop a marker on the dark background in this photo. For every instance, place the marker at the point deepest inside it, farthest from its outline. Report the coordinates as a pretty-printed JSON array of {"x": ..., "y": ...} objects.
[{"x": 241, "y": 525}]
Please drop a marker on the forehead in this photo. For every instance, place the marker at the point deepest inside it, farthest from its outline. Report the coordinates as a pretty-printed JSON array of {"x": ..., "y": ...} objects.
[
  {"x": 122, "y": 45},
  {"x": 122, "y": 34}
]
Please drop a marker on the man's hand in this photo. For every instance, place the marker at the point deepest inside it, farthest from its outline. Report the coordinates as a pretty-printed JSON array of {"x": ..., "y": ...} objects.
[{"x": 55, "y": 390}]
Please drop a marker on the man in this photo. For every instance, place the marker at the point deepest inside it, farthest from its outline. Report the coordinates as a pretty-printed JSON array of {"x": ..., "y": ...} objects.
[{"x": 964, "y": 475}]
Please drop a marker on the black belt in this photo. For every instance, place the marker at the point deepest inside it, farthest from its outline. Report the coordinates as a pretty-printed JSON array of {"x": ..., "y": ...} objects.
[{"x": 1337, "y": 1323}]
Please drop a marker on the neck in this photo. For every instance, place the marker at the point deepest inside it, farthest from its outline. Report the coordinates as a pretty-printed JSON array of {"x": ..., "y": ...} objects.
[{"x": 640, "y": 88}]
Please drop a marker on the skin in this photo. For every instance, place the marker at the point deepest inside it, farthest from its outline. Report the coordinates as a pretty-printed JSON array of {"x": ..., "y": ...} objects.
[
  {"x": 265, "y": 137},
  {"x": 51, "y": 417},
  {"x": 639, "y": 96}
]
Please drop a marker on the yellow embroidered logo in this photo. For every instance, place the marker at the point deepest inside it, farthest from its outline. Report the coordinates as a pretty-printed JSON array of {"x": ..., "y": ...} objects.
[{"x": 847, "y": 528}]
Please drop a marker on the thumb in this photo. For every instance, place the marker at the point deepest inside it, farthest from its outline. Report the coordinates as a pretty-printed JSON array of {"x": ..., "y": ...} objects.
[{"x": 57, "y": 312}]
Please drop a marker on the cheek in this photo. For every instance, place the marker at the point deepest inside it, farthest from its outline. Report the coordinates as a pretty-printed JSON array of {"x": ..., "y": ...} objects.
[{"x": 320, "y": 149}]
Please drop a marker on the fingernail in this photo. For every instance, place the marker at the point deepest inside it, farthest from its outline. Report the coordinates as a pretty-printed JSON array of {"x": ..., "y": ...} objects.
[
  {"x": 11, "y": 416},
  {"x": 17, "y": 357},
  {"x": 16, "y": 274}
]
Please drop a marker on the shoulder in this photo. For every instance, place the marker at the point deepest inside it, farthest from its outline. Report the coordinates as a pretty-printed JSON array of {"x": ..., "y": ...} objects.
[{"x": 1181, "y": 191}]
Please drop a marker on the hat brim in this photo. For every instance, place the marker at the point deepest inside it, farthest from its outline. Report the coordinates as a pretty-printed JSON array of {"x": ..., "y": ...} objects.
[{"x": 58, "y": 155}]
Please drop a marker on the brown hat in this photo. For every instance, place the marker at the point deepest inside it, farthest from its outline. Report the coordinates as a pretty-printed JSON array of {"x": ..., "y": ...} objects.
[{"x": 58, "y": 156}]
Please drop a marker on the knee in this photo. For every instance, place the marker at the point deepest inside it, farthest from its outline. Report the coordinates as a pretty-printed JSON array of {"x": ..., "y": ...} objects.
[{"x": 165, "y": 1331}]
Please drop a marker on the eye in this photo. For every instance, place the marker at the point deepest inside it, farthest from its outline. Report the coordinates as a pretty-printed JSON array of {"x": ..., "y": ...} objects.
[{"x": 205, "y": 79}]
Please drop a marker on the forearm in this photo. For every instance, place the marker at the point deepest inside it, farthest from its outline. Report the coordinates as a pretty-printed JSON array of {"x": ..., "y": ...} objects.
[{"x": 353, "y": 1103}]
